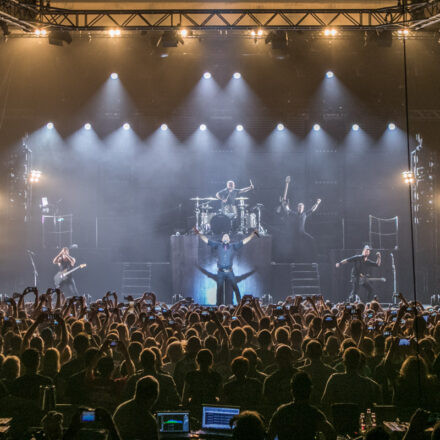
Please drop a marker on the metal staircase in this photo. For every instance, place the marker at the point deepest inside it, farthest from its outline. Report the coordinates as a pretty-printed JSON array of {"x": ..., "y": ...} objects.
[
  {"x": 305, "y": 279},
  {"x": 136, "y": 278}
]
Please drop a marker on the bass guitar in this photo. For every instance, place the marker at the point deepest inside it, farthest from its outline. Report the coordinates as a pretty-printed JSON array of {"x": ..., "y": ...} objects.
[
  {"x": 62, "y": 275},
  {"x": 283, "y": 198}
]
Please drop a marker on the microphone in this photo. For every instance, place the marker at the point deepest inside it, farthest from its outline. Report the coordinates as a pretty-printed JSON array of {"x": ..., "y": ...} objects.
[
  {"x": 30, "y": 252},
  {"x": 257, "y": 234}
]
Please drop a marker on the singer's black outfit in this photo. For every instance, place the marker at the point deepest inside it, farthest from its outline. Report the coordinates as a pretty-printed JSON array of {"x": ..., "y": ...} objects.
[
  {"x": 304, "y": 244},
  {"x": 225, "y": 256},
  {"x": 69, "y": 283},
  {"x": 359, "y": 276}
]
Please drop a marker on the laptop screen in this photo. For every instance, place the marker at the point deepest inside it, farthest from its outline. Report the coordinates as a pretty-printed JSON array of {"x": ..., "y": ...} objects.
[
  {"x": 218, "y": 417},
  {"x": 173, "y": 422}
]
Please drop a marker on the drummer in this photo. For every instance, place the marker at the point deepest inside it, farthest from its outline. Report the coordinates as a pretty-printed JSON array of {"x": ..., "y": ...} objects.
[{"x": 228, "y": 196}]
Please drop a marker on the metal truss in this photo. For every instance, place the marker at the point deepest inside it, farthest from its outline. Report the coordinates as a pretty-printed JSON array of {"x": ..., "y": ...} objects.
[{"x": 415, "y": 16}]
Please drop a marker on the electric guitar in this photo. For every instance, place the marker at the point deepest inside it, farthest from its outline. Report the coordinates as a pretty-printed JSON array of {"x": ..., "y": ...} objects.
[
  {"x": 62, "y": 275},
  {"x": 381, "y": 280},
  {"x": 283, "y": 199}
]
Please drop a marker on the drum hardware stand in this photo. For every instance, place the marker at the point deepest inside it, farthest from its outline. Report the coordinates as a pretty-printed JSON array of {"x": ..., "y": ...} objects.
[
  {"x": 34, "y": 267},
  {"x": 393, "y": 268},
  {"x": 260, "y": 228}
]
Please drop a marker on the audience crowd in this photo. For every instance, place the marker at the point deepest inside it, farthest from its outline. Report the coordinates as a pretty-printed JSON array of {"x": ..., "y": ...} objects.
[{"x": 286, "y": 365}]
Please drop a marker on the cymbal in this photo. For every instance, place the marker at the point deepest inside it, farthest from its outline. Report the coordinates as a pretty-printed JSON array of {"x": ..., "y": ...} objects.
[
  {"x": 242, "y": 198},
  {"x": 200, "y": 199}
]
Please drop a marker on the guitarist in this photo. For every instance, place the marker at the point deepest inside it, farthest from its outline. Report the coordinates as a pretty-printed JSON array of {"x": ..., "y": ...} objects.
[
  {"x": 66, "y": 262},
  {"x": 359, "y": 272},
  {"x": 297, "y": 221}
]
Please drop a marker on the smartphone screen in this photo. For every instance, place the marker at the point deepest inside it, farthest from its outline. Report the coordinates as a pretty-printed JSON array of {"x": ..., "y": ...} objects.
[{"x": 88, "y": 416}]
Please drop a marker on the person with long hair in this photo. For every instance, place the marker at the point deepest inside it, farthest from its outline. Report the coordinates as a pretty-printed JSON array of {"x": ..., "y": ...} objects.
[{"x": 415, "y": 387}]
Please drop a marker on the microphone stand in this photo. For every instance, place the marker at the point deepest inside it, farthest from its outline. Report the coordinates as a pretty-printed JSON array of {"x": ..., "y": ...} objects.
[
  {"x": 34, "y": 268},
  {"x": 393, "y": 268}
]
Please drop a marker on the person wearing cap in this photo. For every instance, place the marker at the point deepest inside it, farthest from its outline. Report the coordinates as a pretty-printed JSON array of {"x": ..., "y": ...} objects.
[{"x": 360, "y": 272}]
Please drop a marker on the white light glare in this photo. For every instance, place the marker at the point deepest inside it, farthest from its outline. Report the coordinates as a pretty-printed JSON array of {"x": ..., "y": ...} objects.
[
  {"x": 237, "y": 75},
  {"x": 355, "y": 127},
  {"x": 258, "y": 32},
  {"x": 49, "y": 125},
  {"x": 239, "y": 127},
  {"x": 114, "y": 75},
  {"x": 183, "y": 33},
  {"x": 408, "y": 177},
  {"x": 403, "y": 32},
  {"x": 329, "y": 74},
  {"x": 391, "y": 126},
  {"x": 316, "y": 127},
  {"x": 280, "y": 127},
  {"x": 207, "y": 75},
  {"x": 87, "y": 126},
  {"x": 114, "y": 32},
  {"x": 330, "y": 32},
  {"x": 202, "y": 127},
  {"x": 40, "y": 32},
  {"x": 34, "y": 176},
  {"x": 126, "y": 126},
  {"x": 164, "y": 127}
]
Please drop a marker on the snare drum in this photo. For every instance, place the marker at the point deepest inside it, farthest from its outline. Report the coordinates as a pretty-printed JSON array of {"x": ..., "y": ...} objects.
[{"x": 230, "y": 211}]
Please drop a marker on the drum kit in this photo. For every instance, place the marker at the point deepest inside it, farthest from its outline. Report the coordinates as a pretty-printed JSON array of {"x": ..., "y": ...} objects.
[{"x": 235, "y": 219}]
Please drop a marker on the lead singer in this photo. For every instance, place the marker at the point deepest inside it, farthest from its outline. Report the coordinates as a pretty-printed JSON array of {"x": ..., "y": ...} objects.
[{"x": 225, "y": 251}]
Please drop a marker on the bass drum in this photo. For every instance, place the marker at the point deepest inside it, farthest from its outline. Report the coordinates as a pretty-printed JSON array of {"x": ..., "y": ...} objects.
[{"x": 220, "y": 224}]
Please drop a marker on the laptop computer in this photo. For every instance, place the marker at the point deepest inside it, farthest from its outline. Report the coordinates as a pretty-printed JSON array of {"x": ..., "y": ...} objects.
[
  {"x": 173, "y": 424},
  {"x": 216, "y": 418}
]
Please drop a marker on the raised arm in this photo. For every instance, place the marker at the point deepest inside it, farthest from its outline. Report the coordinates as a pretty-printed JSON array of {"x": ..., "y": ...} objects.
[
  {"x": 204, "y": 238},
  {"x": 250, "y": 237},
  {"x": 247, "y": 188},
  {"x": 378, "y": 258},
  {"x": 315, "y": 206}
]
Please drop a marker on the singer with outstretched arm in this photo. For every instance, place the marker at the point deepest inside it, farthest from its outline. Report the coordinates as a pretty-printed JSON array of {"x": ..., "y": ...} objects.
[{"x": 225, "y": 252}]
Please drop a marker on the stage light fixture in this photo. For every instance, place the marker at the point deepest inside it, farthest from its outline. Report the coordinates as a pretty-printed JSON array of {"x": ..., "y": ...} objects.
[
  {"x": 126, "y": 126},
  {"x": 114, "y": 75},
  {"x": 34, "y": 176},
  {"x": 170, "y": 39},
  {"x": 391, "y": 126},
  {"x": 164, "y": 127},
  {"x": 40, "y": 32},
  {"x": 237, "y": 75},
  {"x": 49, "y": 125},
  {"x": 114, "y": 33},
  {"x": 408, "y": 177},
  {"x": 355, "y": 127},
  {"x": 239, "y": 127},
  {"x": 184, "y": 33},
  {"x": 329, "y": 74},
  {"x": 260, "y": 32},
  {"x": 316, "y": 127},
  {"x": 87, "y": 126},
  {"x": 202, "y": 127},
  {"x": 207, "y": 75},
  {"x": 403, "y": 32},
  {"x": 330, "y": 32},
  {"x": 59, "y": 36},
  {"x": 280, "y": 127}
]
